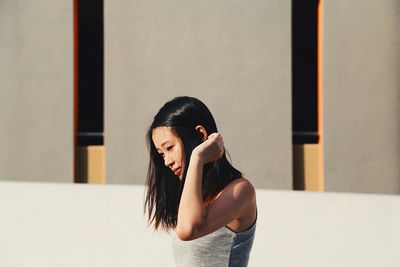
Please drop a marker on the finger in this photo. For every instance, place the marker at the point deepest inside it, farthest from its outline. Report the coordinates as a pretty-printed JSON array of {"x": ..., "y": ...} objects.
[
  {"x": 221, "y": 140},
  {"x": 214, "y": 136}
]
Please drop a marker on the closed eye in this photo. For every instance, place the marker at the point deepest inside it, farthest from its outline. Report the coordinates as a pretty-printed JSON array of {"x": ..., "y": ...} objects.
[{"x": 169, "y": 148}]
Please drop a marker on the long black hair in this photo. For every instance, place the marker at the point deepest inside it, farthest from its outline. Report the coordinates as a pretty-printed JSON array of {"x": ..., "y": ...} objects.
[{"x": 164, "y": 188}]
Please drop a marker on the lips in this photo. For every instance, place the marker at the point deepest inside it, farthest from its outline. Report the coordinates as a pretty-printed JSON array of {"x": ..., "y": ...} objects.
[{"x": 177, "y": 171}]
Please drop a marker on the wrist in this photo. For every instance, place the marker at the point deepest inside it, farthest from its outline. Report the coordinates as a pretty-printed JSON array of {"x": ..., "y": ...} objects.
[{"x": 196, "y": 157}]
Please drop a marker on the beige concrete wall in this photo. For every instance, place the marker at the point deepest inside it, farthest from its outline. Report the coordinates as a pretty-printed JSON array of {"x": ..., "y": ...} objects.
[
  {"x": 362, "y": 95},
  {"x": 234, "y": 55},
  {"x": 61, "y": 225},
  {"x": 36, "y": 90}
]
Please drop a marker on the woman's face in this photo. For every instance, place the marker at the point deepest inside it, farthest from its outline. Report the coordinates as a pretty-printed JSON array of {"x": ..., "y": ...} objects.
[{"x": 170, "y": 147}]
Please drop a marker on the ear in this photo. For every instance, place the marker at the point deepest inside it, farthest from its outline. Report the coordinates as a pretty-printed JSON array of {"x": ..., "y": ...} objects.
[{"x": 202, "y": 131}]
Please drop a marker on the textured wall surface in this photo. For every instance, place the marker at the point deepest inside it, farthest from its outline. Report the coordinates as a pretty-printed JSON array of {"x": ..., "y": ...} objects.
[
  {"x": 233, "y": 55},
  {"x": 60, "y": 225},
  {"x": 36, "y": 90},
  {"x": 362, "y": 96}
]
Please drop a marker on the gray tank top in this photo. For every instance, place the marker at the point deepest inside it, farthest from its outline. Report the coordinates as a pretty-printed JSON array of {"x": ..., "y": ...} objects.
[{"x": 220, "y": 248}]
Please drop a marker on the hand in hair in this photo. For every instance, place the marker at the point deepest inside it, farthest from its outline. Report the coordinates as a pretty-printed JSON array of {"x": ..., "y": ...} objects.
[{"x": 211, "y": 149}]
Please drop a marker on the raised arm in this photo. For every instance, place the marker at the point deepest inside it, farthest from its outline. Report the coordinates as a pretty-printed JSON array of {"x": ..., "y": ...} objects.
[{"x": 234, "y": 202}]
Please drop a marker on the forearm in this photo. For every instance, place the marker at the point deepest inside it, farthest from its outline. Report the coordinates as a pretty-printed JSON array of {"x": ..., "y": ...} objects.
[{"x": 191, "y": 211}]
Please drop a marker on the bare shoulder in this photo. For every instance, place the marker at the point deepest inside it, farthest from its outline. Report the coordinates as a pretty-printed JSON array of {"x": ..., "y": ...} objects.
[
  {"x": 241, "y": 187},
  {"x": 241, "y": 192},
  {"x": 244, "y": 195}
]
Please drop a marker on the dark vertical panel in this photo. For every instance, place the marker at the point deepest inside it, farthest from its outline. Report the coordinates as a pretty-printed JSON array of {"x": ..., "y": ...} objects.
[
  {"x": 304, "y": 71},
  {"x": 90, "y": 72}
]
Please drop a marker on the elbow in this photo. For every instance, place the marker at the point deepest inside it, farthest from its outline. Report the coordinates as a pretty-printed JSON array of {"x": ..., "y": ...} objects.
[{"x": 186, "y": 233}]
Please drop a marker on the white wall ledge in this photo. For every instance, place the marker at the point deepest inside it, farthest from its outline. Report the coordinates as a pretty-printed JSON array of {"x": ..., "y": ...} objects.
[{"x": 50, "y": 224}]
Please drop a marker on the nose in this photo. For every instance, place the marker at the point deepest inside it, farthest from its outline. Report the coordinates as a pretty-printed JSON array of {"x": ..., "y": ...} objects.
[{"x": 168, "y": 161}]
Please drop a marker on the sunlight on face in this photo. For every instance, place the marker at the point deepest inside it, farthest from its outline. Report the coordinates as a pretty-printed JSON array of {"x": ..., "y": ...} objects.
[{"x": 170, "y": 147}]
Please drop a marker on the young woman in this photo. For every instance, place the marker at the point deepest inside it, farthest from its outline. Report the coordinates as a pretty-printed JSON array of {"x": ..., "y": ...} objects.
[{"x": 193, "y": 189}]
